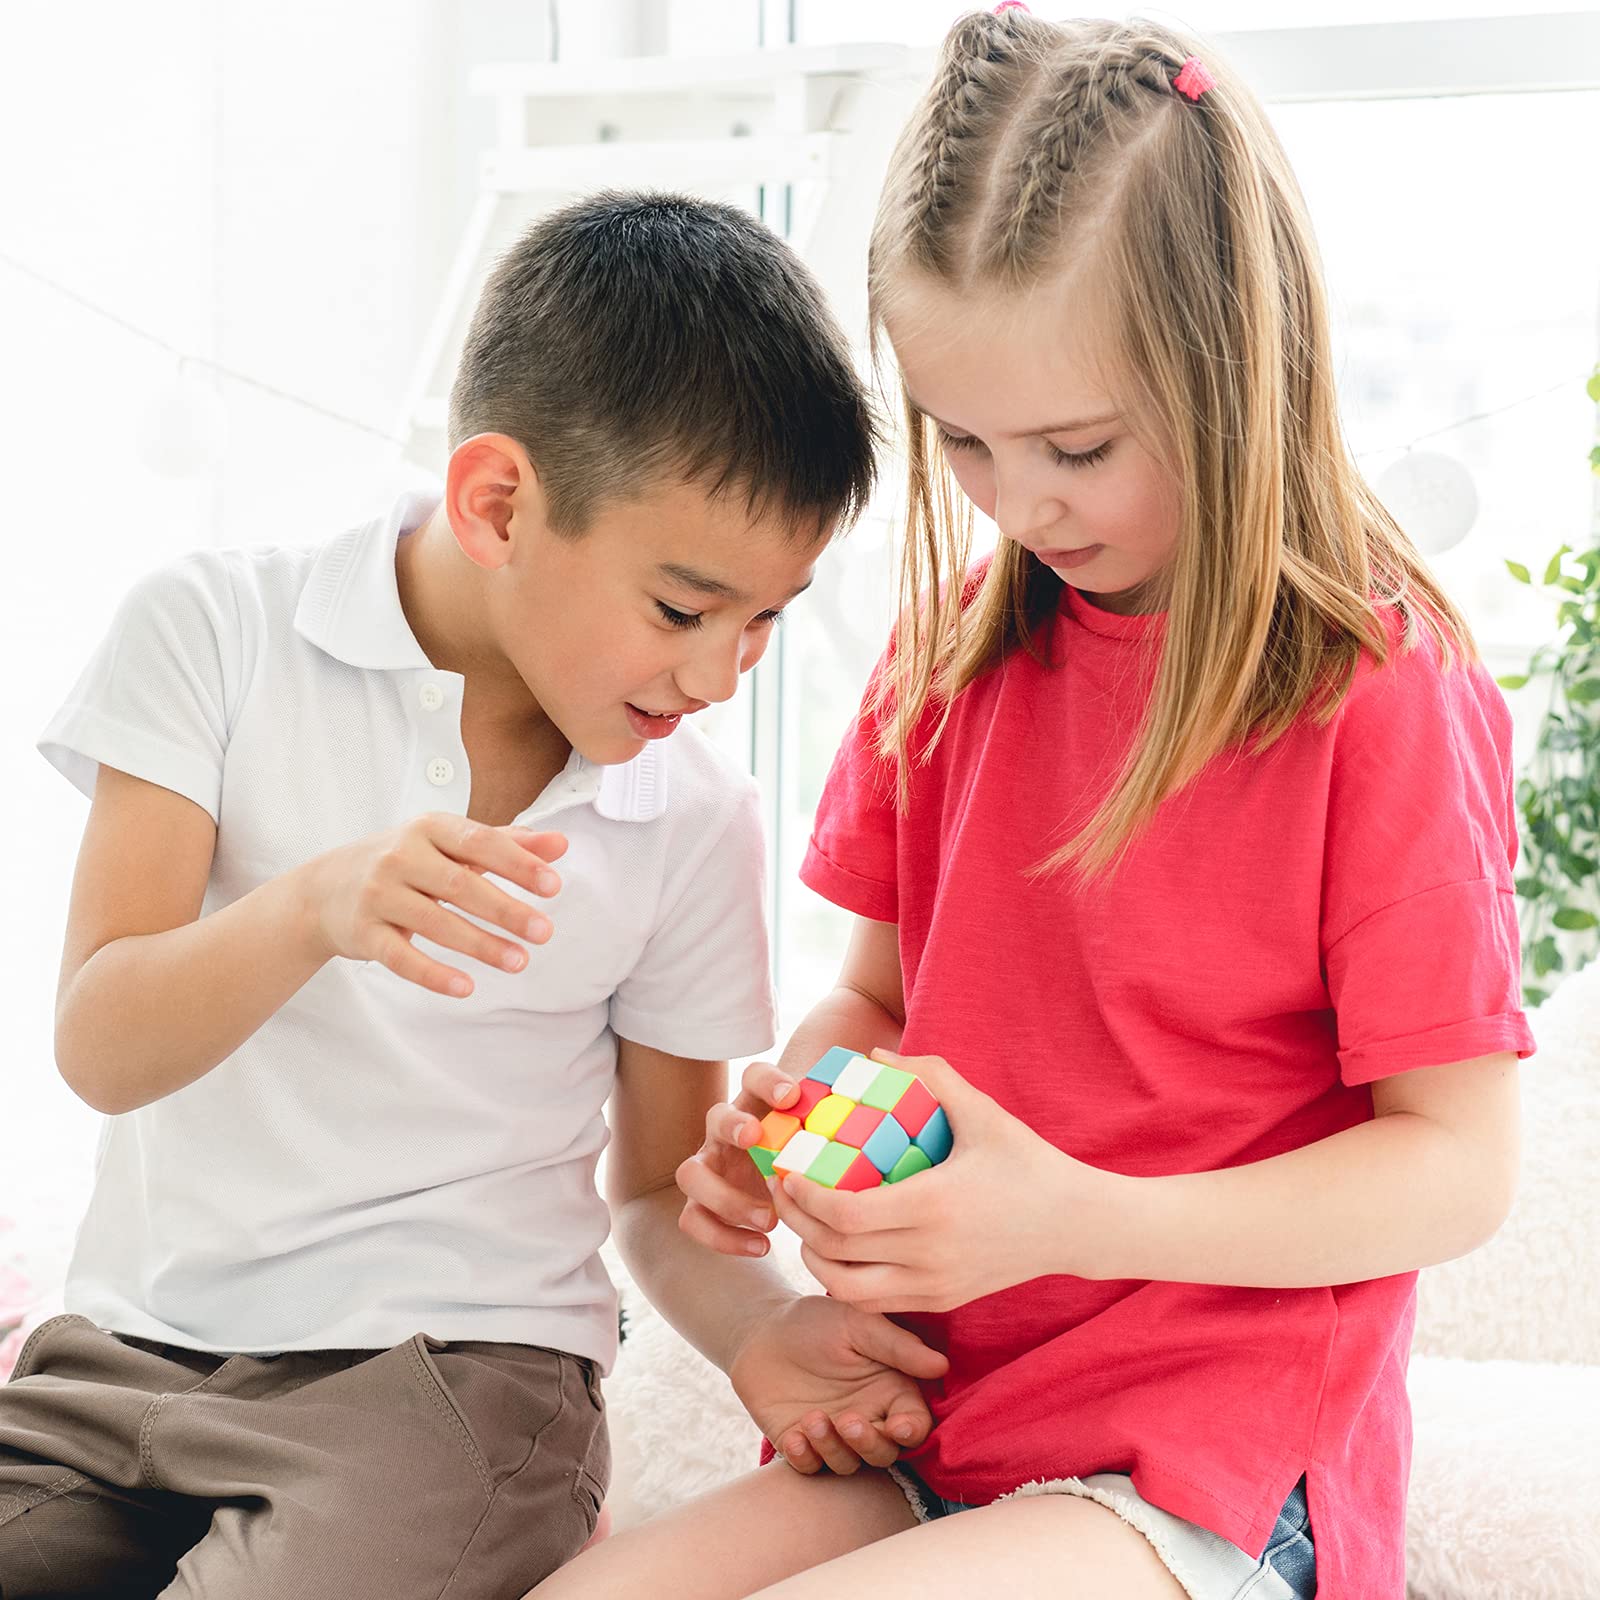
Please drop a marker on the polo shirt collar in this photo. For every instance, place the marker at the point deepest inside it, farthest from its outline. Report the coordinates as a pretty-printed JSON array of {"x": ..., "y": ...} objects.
[{"x": 350, "y": 609}]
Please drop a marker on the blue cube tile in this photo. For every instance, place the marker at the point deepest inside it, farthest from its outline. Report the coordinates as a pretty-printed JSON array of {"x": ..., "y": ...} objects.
[
  {"x": 934, "y": 1141},
  {"x": 888, "y": 1143},
  {"x": 831, "y": 1065}
]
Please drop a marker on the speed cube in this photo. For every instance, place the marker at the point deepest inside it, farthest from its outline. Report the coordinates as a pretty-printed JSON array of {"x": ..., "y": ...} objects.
[{"x": 855, "y": 1125}]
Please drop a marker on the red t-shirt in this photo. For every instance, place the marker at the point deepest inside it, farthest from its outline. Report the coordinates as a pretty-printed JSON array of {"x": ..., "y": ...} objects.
[{"x": 1292, "y": 926}]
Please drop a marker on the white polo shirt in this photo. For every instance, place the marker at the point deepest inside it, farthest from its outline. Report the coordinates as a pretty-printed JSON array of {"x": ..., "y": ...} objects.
[{"x": 376, "y": 1160}]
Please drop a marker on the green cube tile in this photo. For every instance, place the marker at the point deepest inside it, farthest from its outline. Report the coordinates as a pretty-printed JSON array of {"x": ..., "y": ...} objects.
[
  {"x": 832, "y": 1164},
  {"x": 885, "y": 1090},
  {"x": 763, "y": 1158},
  {"x": 912, "y": 1162}
]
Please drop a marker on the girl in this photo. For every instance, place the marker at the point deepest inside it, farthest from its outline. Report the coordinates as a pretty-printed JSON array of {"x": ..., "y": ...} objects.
[{"x": 1179, "y": 837}]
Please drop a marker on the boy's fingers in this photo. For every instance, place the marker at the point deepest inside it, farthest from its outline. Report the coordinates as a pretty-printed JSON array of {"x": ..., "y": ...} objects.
[
  {"x": 825, "y": 1440},
  {"x": 876, "y": 1336},
  {"x": 496, "y": 850},
  {"x": 548, "y": 846},
  {"x": 907, "y": 1428},
  {"x": 795, "y": 1448},
  {"x": 438, "y": 925},
  {"x": 450, "y": 881},
  {"x": 404, "y": 960},
  {"x": 866, "y": 1440}
]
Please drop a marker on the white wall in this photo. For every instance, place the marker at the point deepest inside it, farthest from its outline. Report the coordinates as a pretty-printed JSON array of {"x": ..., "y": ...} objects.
[{"x": 275, "y": 187}]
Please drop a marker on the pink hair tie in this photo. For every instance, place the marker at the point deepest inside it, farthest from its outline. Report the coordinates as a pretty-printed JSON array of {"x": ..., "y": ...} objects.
[
  {"x": 1009, "y": 5},
  {"x": 1193, "y": 79}
]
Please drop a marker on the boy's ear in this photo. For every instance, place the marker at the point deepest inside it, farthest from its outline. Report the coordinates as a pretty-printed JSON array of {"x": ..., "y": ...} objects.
[{"x": 492, "y": 493}]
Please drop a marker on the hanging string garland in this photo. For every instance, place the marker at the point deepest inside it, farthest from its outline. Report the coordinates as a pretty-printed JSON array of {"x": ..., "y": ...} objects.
[
  {"x": 187, "y": 432},
  {"x": 1432, "y": 496}
]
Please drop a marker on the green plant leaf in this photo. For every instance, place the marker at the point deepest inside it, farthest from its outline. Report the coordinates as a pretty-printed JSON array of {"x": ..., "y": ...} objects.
[
  {"x": 1534, "y": 997},
  {"x": 1553, "y": 571},
  {"x": 1584, "y": 692},
  {"x": 1519, "y": 572},
  {"x": 1572, "y": 919},
  {"x": 1512, "y": 680},
  {"x": 1592, "y": 387},
  {"x": 1546, "y": 957}
]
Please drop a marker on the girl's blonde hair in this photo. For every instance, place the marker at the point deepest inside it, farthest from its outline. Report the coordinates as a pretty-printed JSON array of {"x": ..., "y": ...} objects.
[{"x": 1040, "y": 144}]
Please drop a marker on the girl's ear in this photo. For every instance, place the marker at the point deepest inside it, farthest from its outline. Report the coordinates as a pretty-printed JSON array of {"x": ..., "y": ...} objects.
[{"x": 492, "y": 495}]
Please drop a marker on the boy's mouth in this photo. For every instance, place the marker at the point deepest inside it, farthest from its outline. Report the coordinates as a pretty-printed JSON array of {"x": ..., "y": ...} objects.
[{"x": 652, "y": 724}]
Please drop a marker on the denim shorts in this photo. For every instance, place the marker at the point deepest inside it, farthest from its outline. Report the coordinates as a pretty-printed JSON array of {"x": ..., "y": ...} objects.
[{"x": 1208, "y": 1567}]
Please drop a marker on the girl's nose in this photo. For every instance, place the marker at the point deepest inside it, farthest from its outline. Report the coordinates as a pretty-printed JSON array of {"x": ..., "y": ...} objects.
[{"x": 1023, "y": 508}]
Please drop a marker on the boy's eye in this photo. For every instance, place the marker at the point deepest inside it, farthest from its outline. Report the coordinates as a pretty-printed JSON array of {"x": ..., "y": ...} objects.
[
  {"x": 771, "y": 616},
  {"x": 679, "y": 619}
]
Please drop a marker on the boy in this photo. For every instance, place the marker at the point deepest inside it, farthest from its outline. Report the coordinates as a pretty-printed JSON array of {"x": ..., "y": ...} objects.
[{"x": 336, "y": 1317}]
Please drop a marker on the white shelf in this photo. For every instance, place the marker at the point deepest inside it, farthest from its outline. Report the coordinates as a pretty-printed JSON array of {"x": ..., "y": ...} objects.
[
  {"x": 661, "y": 163},
  {"x": 754, "y": 70}
]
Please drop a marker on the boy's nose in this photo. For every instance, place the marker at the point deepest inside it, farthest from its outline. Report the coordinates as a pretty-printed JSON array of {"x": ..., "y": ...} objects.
[{"x": 713, "y": 676}]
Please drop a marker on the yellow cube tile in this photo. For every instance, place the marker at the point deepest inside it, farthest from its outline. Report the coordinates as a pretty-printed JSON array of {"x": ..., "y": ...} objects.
[{"x": 828, "y": 1115}]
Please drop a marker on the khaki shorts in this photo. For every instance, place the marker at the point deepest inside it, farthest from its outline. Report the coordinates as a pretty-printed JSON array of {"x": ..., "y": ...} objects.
[{"x": 129, "y": 1469}]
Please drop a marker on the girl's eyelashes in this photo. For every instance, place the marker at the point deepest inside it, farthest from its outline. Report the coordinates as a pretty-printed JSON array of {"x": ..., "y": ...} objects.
[
  {"x": 695, "y": 619},
  {"x": 1087, "y": 458},
  {"x": 1062, "y": 458}
]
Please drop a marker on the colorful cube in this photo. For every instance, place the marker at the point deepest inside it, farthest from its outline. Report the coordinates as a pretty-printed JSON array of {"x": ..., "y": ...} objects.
[{"x": 856, "y": 1124}]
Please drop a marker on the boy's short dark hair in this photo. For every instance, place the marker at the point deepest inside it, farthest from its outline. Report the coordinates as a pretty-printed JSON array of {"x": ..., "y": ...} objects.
[{"x": 632, "y": 337}]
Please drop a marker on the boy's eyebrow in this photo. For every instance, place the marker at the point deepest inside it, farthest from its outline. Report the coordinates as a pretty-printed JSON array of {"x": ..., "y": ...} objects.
[
  {"x": 1051, "y": 427},
  {"x": 703, "y": 583}
]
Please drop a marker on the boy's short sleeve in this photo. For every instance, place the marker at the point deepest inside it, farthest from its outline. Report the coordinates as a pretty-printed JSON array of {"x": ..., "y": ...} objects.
[
  {"x": 852, "y": 857},
  {"x": 1419, "y": 928},
  {"x": 703, "y": 987},
  {"x": 153, "y": 699}
]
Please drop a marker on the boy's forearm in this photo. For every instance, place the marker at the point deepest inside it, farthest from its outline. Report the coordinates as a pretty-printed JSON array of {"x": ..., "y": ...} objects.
[
  {"x": 148, "y": 1014},
  {"x": 713, "y": 1300}
]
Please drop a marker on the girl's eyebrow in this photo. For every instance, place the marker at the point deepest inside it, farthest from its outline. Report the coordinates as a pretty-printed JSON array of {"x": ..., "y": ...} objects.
[{"x": 1053, "y": 427}]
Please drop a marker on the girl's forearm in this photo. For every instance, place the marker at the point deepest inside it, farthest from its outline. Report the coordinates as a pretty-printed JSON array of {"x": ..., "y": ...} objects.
[
  {"x": 148, "y": 1014},
  {"x": 1388, "y": 1196}
]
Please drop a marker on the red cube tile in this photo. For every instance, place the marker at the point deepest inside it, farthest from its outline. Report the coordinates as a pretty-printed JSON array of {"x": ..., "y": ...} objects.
[
  {"x": 914, "y": 1107},
  {"x": 859, "y": 1126},
  {"x": 860, "y": 1174}
]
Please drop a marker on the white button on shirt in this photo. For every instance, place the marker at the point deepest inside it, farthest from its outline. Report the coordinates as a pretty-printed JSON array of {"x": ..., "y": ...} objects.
[{"x": 377, "y": 1161}]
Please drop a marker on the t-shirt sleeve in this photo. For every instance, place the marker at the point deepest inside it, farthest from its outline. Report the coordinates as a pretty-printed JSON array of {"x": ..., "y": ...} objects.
[
  {"x": 703, "y": 986},
  {"x": 852, "y": 857},
  {"x": 1419, "y": 928},
  {"x": 153, "y": 699}
]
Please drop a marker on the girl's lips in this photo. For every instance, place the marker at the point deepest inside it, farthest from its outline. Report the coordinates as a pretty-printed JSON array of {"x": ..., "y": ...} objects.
[{"x": 1070, "y": 558}]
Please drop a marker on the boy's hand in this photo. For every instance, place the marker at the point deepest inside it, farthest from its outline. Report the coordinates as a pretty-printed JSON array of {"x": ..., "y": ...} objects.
[
  {"x": 729, "y": 1209},
  {"x": 834, "y": 1387},
  {"x": 368, "y": 900}
]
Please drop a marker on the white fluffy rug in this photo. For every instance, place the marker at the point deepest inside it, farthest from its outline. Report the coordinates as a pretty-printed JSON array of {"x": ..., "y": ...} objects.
[{"x": 1505, "y": 1489}]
